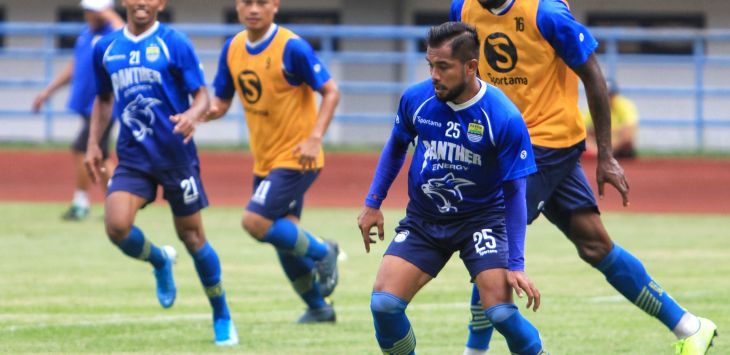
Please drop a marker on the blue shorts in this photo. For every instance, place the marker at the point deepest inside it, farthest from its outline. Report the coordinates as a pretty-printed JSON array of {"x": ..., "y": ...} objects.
[
  {"x": 559, "y": 187},
  {"x": 281, "y": 193},
  {"x": 481, "y": 243},
  {"x": 182, "y": 187}
]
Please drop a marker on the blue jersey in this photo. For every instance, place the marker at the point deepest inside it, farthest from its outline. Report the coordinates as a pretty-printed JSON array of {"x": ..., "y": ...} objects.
[
  {"x": 151, "y": 76},
  {"x": 83, "y": 89},
  {"x": 464, "y": 152}
]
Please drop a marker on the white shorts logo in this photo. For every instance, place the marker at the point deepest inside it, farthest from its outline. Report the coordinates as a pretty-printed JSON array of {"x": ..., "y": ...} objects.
[{"x": 401, "y": 236}]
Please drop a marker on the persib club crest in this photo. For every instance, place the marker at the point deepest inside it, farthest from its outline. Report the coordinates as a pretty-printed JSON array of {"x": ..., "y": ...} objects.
[
  {"x": 475, "y": 132},
  {"x": 152, "y": 53},
  {"x": 446, "y": 191}
]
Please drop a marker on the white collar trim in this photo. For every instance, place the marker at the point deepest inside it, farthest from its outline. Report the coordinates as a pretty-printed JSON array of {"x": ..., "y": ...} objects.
[
  {"x": 269, "y": 33},
  {"x": 472, "y": 101},
  {"x": 143, "y": 35},
  {"x": 500, "y": 10}
]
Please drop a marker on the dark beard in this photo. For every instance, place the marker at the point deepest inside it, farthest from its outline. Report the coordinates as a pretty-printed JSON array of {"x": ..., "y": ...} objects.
[{"x": 453, "y": 93}]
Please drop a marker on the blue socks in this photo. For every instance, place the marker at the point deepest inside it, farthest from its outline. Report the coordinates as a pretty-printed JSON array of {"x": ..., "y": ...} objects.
[
  {"x": 480, "y": 328},
  {"x": 138, "y": 247},
  {"x": 208, "y": 267},
  {"x": 392, "y": 328},
  {"x": 299, "y": 271},
  {"x": 286, "y": 236},
  {"x": 522, "y": 337},
  {"x": 627, "y": 275}
]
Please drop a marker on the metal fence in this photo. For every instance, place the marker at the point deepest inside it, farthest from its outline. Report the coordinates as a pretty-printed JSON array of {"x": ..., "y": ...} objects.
[{"x": 402, "y": 52}]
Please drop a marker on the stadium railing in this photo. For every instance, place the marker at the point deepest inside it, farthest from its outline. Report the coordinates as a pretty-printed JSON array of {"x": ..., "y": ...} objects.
[{"x": 407, "y": 56}]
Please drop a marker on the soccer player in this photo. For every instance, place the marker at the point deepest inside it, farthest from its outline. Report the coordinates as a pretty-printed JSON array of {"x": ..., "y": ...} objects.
[
  {"x": 100, "y": 20},
  {"x": 466, "y": 185},
  {"x": 146, "y": 74},
  {"x": 536, "y": 51},
  {"x": 276, "y": 74}
]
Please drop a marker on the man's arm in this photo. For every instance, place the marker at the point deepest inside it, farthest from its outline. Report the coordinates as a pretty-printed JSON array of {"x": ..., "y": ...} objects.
[
  {"x": 218, "y": 108},
  {"x": 608, "y": 169},
  {"x": 516, "y": 223},
  {"x": 309, "y": 149},
  {"x": 101, "y": 116},
  {"x": 63, "y": 78},
  {"x": 186, "y": 122},
  {"x": 112, "y": 18},
  {"x": 390, "y": 163}
]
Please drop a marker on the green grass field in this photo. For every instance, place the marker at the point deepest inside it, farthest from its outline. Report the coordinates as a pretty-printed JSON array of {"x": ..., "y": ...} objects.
[{"x": 65, "y": 289}]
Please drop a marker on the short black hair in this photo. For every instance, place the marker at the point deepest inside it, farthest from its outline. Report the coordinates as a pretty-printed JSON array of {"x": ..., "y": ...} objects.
[{"x": 464, "y": 39}]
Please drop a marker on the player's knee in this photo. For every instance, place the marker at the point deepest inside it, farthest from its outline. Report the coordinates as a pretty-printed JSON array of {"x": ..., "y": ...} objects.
[
  {"x": 253, "y": 225},
  {"x": 193, "y": 239},
  {"x": 384, "y": 302},
  {"x": 500, "y": 312},
  {"x": 593, "y": 251},
  {"x": 117, "y": 230}
]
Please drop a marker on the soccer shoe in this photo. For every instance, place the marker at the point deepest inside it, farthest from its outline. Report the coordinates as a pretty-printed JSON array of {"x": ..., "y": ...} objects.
[
  {"x": 75, "y": 213},
  {"x": 697, "y": 343},
  {"x": 319, "y": 315},
  {"x": 327, "y": 269},
  {"x": 225, "y": 332},
  {"x": 166, "y": 290}
]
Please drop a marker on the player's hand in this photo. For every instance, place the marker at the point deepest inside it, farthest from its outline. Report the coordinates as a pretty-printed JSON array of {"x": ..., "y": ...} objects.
[
  {"x": 369, "y": 218},
  {"x": 521, "y": 283},
  {"x": 39, "y": 101},
  {"x": 609, "y": 171},
  {"x": 308, "y": 151},
  {"x": 184, "y": 125},
  {"x": 94, "y": 163}
]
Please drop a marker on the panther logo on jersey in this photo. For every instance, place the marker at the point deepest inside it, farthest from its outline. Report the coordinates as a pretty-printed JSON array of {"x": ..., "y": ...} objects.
[
  {"x": 250, "y": 84},
  {"x": 139, "y": 117},
  {"x": 501, "y": 52},
  {"x": 446, "y": 191}
]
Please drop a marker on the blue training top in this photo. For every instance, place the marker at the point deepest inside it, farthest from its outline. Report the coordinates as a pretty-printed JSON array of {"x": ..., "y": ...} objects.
[
  {"x": 152, "y": 77},
  {"x": 83, "y": 89},
  {"x": 464, "y": 153}
]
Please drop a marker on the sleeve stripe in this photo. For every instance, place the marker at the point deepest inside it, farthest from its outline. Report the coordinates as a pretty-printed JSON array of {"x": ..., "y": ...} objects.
[
  {"x": 164, "y": 47},
  {"x": 489, "y": 127},
  {"x": 415, "y": 114}
]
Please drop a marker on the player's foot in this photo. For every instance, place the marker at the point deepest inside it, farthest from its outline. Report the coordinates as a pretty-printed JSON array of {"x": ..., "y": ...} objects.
[
  {"x": 327, "y": 269},
  {"x": 319, "y": 315},
  {"x": 75, "y": 213},
  {"x": 166, "y": 290},
  {"x": 698, "y": 343},
  {"x": 225, "y": 332}
]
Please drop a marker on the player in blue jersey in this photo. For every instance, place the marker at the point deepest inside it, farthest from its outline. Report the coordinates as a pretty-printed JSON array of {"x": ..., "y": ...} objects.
[
  {"x": 146, "y": 74},
  {"x": 101, "y": 19},
  {"x": 536, "y": 52},
  {"x": 466, "y": 186}
]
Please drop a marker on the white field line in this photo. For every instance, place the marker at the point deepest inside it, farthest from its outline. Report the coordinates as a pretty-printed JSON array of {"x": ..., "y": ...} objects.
[{"x": 84, "y": 320}]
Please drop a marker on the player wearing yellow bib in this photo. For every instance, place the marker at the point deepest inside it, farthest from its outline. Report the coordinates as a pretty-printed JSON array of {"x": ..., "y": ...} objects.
[
  {"x": 535, "y": 51},
  {"x": 276, "y": 74}
]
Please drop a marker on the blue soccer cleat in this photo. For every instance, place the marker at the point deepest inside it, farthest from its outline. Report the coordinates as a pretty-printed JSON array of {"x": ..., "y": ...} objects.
[
  {"x": 166, "y": 290},
  {"x": 327, "y": 269},
  {"x": 225, "y": 332}
]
